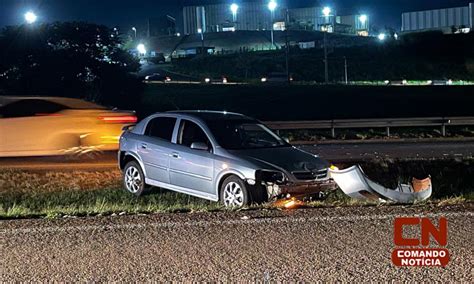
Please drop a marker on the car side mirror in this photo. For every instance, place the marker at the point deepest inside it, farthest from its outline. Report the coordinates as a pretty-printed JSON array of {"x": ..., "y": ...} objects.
[
  {"x": 128, "y": 127},
  {"x": 199, "y": 146}
]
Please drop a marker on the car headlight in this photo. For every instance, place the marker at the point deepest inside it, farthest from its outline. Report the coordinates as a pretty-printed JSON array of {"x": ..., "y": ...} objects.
[{"x": 271, "y": 176}]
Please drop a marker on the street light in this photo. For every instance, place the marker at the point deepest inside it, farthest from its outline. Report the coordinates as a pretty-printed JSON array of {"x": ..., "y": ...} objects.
[
  {"x": 363, "y": 19},
  {"x": 381, "y": 36},
  {"x": 272, "y": 5},
  {"x": 326, "y": 11},
  {"x": 141, "y": 49},
  {"x": 234, "y": 8},
  {"x": 202, "y": 40},
  {"x": 135, "y": 30},
  {"x": 30, "y": 17}
]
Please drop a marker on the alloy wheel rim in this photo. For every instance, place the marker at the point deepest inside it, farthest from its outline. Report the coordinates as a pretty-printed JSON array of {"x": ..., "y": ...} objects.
[
  {"x": 233, "y": 195},
  {"x": 133, "y": 180}
]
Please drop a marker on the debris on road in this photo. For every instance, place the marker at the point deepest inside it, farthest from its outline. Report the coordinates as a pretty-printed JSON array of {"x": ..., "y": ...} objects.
[
  {"x": 355, "y": 183},
  {"x": 288, "y": 203}
]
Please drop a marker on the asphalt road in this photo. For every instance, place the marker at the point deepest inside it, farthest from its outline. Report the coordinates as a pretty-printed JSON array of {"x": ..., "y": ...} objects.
[
  {"x": 333, "y": 244},
  {"x": 393, "y": 150},
  {"x": 335, "y": 152}
]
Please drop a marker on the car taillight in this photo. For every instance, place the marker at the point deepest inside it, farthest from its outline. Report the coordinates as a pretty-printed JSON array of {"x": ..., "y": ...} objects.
[{"x": 119, "y": 119}]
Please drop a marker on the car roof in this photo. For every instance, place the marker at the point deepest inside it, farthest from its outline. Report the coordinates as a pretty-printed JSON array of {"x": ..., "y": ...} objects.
[
  {"x": 68, "y": 102},
  {"x": 208, "y": 115}
]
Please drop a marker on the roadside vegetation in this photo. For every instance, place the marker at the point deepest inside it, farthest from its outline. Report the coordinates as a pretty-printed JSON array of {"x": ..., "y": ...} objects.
[
  {"x": 317, "y": 136},
  {"x": 81, "y": 193}
]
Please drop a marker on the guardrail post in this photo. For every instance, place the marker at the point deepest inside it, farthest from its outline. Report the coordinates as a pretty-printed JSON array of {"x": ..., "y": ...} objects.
[
  {"x": 333, "y": 130},
  {"x": 443, "y": 126},
  {"x": 388, "y": 131}
]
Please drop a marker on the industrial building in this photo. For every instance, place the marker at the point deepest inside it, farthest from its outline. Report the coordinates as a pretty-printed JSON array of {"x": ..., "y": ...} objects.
[
  {"x": 256, "y": 16},
  {"x": 449, "y": 20},
  {"x": 253, "y": 15}
]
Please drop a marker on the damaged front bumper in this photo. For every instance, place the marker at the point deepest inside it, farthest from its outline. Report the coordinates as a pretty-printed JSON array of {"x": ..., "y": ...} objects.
[
  {"x": 300, "y": 189},
  {"x": 354, "y": 183}
]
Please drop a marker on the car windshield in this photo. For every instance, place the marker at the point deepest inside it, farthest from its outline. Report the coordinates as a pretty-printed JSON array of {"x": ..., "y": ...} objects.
[{"x": 244, "y": 134}]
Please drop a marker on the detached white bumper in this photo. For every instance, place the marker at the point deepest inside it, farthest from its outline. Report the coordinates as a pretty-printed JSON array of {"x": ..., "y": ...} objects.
[{"x": 356, "y": 184}]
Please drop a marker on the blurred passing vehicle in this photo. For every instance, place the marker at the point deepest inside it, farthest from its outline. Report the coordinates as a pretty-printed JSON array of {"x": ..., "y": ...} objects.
[
  {"x": 221, "y": 80},
  {"x": 276, "y": 78},
  {"x": 156, "y": 77},
  {"x": 40, "y": 126}
]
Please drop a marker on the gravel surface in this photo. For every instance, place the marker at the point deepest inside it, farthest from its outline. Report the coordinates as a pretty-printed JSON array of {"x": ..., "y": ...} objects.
[{"x": 328, "y": 244}]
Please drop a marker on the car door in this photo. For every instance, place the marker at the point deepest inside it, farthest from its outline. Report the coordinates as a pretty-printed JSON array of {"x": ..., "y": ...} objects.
[
  {"x": 154, "y": 148},
  {"x": 192, "y": 168}
]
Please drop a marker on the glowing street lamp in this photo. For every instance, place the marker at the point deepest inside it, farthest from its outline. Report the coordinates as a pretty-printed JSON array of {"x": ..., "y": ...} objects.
[
  {"x": 234, "y": 8},
  {"x": 381, "y": 36},
  {"x": 30, "y": 17},
  {"x": 141, "y": 49},
  {"x": 200, "y": 31},
  {"x": 272, "y": 5},
  {"x": 327, "y": 11},
  {"x": 135, "y": 30},
  {"x": 363, "y": 19}
]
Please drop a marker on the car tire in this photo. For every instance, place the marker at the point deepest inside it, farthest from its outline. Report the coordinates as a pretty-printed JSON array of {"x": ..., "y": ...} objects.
[
  {"x": 134, "y": 179},
  {"x": 234, "y": 193}
]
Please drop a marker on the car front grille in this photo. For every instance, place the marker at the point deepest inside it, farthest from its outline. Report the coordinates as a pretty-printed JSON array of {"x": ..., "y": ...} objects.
[{"x": 308, "y": 175}]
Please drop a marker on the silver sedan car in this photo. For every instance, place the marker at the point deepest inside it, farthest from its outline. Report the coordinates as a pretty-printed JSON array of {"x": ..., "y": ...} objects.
[{"x": 218, "y": 156}]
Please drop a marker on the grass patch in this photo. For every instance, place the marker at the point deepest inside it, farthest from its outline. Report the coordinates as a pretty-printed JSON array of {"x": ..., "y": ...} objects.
[
  {"x": 84, "y": 203},
  {"x": 81, "y": 193}
]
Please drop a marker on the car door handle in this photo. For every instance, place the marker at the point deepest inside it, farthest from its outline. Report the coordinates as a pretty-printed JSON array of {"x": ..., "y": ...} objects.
[
  {"x": 144, "y": 146},
  {"x": 175, "y": 155}
]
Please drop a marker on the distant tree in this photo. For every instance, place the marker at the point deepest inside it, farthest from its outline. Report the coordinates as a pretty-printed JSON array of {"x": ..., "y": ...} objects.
[{"x": 73, "y": 59}]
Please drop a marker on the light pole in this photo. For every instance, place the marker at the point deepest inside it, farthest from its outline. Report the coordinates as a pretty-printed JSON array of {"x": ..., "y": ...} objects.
[
  {"x": 364, "y": 26},
  {"x": 30, "y": 17},
  {"x": 135, "y": 30},
  {"x": 327, "y": 13},
  {"x": 345, "y": 71},
  {"x": 272, "y": 5},
  {"x": 234, "y": 8},
  {"x": 202, "y": 40}
]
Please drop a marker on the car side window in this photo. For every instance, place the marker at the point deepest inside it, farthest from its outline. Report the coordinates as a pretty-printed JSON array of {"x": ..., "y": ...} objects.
[
  {"x": 30, "y": 107},
  {"x": 161, "y": 127},
  {"x": 190, "y": 132}
]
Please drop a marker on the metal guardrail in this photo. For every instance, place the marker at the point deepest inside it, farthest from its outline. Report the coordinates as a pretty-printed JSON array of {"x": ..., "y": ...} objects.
[{"x": 386, "y": 123}]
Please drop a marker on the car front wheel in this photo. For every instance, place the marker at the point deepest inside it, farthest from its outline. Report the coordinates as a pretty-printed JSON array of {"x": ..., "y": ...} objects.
[
  {"x": 234, "y": 193},
  {"x": 133, "y": 178}
]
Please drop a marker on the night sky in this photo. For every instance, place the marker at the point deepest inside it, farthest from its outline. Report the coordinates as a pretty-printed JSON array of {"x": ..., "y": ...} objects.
[{"x": 127, "y": 13}]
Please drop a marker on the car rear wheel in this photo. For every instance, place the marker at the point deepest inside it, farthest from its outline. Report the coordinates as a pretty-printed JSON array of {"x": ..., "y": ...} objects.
[
  {"x": 234, "y": 193},
  {"x": 133, "y": 178}
]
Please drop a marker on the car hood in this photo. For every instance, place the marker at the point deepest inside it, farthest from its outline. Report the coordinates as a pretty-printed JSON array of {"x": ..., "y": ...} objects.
[{"x": 288, "y": 159}]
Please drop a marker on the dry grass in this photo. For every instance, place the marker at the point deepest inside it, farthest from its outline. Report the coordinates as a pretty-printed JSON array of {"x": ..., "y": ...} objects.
[
  {"x": 80, "y": 193},
  {"x": 28, "y": 182}
]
